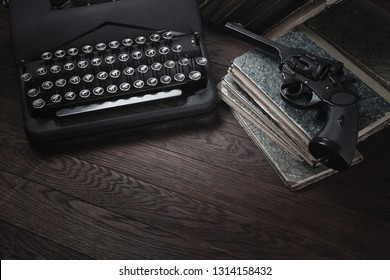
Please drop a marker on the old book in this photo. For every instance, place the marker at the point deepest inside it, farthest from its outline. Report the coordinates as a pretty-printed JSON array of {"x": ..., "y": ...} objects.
[
  {"x": 350, "y": 26},
  {"x": 260, "y": 77}
]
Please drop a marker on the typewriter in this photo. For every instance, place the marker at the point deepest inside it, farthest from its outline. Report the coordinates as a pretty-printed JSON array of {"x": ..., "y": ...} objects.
[{"x": 88, "y": 68}]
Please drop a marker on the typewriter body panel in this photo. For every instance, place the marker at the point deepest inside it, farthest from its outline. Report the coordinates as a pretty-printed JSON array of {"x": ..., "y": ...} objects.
[{"x": 108, "y": 67}]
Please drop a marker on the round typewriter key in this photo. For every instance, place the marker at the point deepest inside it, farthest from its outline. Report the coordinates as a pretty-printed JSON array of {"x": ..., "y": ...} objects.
[
  {"x": 195, "y": 75},
  {"x": 60, "y": 53},
  {"x": 56, "y": 98},
  {"x": 55, "y": 69},
  {"x": 177, "y": 48},
  {"x": 75, "y": 80},
  {"x": 112, "y": 89},
  {"x": 136, "y": 55},
  {"x": 32, "y": 92},
  {"x": 98, "y": 91},
  {"x": 115, "y": 73},
  {"x": 179, "y": 77},
  {"x": 70, "y": 95},
  {"x": 127, "y": 42},
  {"x": 113, "y": 44},
  {"x": 152, "y": 82},
  {"x": 124, "y": 87},
  {"x": 69, "y": 66},
  {"x": 100, "y": 46},
  {"x": 60, "y": 82},
  {"x": 202, "y": 61},
  {"x": 163, "y": 50},
  {"x": 82, "y": 64},
  {"x": 167, "y": 35},
  {"x": 87, "y": 49},
  {"x": 165, "y": 79},
  {"x": 85, "y": 93},
  {"x": 150, "y": 52},
  {"x": 143, "y": 69},
  {"x": 129, "y": 71},
  {"x": 140, "y": 40},
  {"x": 154, "y": 37},
  {"x": 38, "y": 103},
  {"x": 110, "y": 59},
  {"x": 96, "y": 61},
  {"x": 184, "y": 61},
  {"x": 123, "y": 57},
  {"x": 26, "y": 77},
  {"x": 169, "y": 64},
  {"x": 41, "y": 71},
  {"x": 88, "y": 78},
  {"x": 47, "y": 85},
  {"x": 73, "y": 51},
  {"x": 156, "y": 66},
  {"x": 46, "y": 56},
  {"x": 139, "y": 84}
]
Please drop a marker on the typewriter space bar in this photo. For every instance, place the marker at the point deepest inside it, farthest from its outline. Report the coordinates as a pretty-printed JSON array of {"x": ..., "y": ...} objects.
[{"x": 117, "y": 103}]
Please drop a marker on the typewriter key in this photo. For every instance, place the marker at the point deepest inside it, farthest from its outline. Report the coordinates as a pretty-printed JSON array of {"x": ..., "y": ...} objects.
[
  {"x": 136, "y": 55},
  {"x": 139, "y": 84},
  {"x": 124, "y": 87},
  {"x": 41, "y": 71},
  {"x": 150, "y": 52},
  {"x": 143, "y": 69},
  {"x": 85, "y": 93},
  {"x": 115, "y": 74},
  {"x": 60, "y": 53},
  {"x": 98, "y": 91},
  {"x": 38, "y": 103},
  {"x": 55, "y": 69},
  {"x": 165, "y": 79},
  {"x": 129, "y": 71},
  {"x": 177, "y": 48},
  {"x": 201, "y": 61},
  {"x": 152, "y": 82},
  {"x": 70, "y": 95},
  {"x": 184, "y": 61},
  {"x": 123, "y": 57},
  {"x": 127, "y": 42},
  {"x": 82, "y": 64},
  {"x": 169, "y": 64},
  {"x": 47, "y": 85},
  {"x": 167, "y": 35},
  {"x": 100, "y": 46},
  {"x": 156, "y": 66},
  {"x": 88, "y": 78},
  {"x": 73, "y": 51},
  {"x": 75, "y": 80},
  {"x": 60, "y": 82},
  {"x": 69, "y": 66},
  {"x": 163, "y": 50},
  {"x": 32, "y": 92},
  {"x": 113, "y": 44},
  {"x": 26, "y": 77},
  {"x": 179, "y": 77},
  {"x": 110, "y": 59},
  {"x": 140, "y": 40},
  {"x": 112, "y": 89},
  {"x": 87, "y": 49},
  {"x": 195, "y": 75},
  {"x": 154, "y": 37},
  {"x": 46, "y": 56},
  {"x": 96, "y": 61},
  {"x": 56, "y": 98}
]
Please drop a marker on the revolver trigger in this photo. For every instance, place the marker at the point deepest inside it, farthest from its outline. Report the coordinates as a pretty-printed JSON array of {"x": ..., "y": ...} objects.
[{"x": 291, "y": 88}]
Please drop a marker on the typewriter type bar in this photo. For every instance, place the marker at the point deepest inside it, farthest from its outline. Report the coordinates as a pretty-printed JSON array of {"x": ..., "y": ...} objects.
[{"x": 104, "y": 75}]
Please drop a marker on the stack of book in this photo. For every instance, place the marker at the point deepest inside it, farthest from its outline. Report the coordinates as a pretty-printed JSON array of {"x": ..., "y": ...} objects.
[{"x": 252, "y": 89}]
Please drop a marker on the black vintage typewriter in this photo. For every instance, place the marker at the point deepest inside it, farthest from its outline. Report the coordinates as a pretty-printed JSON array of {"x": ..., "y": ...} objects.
[{"x": 92, "y": 67}]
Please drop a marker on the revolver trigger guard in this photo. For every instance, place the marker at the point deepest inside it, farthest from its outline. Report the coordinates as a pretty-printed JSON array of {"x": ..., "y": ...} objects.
[{"x": 297, "y": 94}]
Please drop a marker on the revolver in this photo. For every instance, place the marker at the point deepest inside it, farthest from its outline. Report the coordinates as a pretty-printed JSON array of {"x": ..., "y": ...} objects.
[{"x": 309, "y": 82}]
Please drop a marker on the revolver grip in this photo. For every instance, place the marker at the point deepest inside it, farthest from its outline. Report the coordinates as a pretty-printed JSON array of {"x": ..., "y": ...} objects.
[{"x": 335, "y": 144}]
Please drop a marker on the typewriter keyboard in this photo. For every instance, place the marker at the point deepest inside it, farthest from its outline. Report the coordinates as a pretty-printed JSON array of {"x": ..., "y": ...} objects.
[{"x": 108, "y": 74}]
